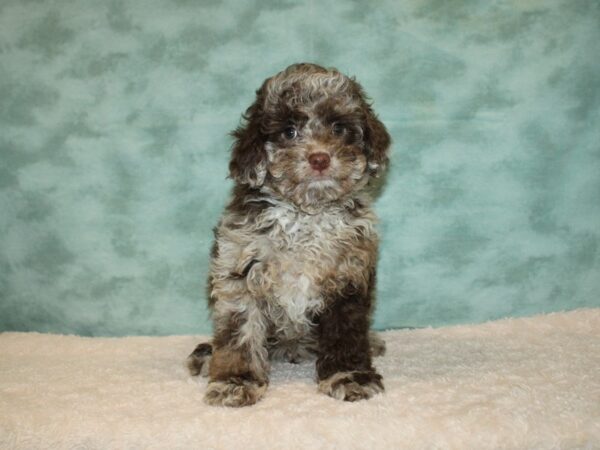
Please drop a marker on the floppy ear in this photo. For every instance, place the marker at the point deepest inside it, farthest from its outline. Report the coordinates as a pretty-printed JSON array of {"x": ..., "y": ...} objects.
[
  {"x": 248, "y": 164},
  {"x": 377, "y": 142}
]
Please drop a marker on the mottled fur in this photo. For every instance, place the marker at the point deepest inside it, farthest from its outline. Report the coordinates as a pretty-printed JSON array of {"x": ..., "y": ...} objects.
[{"x": 293, "y": 264}]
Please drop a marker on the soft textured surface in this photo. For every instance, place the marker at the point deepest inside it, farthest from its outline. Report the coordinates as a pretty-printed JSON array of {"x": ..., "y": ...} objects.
[
  {"x": 113, "y": 152},
  {"x": 514, "y": 384}
]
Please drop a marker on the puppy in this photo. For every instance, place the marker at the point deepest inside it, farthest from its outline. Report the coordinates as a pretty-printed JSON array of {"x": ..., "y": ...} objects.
[{"x": 293, "y": 262}]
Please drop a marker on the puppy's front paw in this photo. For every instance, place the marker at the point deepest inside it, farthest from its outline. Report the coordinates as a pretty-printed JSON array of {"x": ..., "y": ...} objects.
[
  {"x": 352, "y": 386},
  {"x": 234, "y": 392}
]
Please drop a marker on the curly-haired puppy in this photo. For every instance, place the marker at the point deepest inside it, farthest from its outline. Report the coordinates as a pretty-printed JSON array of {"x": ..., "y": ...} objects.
[{"x": 293, "y": 262}]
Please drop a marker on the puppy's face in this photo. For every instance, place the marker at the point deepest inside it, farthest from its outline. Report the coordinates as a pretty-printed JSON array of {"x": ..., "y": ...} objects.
[
  {"x": 315, "y": 150},
  {"x": 310, "y": 137}
]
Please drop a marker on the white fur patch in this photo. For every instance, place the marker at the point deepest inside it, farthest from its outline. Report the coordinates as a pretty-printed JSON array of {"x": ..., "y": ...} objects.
[{"x": 297, "y": 252}]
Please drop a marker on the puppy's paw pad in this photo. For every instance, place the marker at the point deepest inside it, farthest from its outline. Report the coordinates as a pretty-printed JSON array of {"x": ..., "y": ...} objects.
[
  {"x": 352, "y": 386},
  {"x": 234, "y": 392}
]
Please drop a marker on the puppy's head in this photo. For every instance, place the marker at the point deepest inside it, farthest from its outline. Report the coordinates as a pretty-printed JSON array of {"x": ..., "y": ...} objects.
[{"x": 310, "y": 137}]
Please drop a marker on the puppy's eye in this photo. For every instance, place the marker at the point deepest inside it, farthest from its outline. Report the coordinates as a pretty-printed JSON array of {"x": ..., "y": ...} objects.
[
  {"x": 290, "y": 133},
  {"x": 338, "y": 129}
]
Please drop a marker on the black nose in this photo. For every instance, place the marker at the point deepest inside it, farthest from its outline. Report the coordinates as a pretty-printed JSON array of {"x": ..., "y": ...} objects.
[{"x": 319, "y": 161}]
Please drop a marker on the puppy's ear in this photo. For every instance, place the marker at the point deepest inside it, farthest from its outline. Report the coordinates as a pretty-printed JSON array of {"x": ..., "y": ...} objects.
[
  {"x": 377, "y": 141},
  {"x": 248, "y": 164}
]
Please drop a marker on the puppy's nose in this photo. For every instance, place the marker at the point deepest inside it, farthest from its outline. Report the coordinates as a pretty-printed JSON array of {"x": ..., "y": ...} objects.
[{"x": 319, "y": 161}]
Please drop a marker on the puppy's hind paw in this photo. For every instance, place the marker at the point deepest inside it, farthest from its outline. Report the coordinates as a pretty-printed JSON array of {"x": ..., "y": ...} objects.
[
  {"x": 234, "y": 392},
  {"x": 199, "y": 360},
  {"x": 376, "y": 344},
  {"x": 352, "y": 386}
]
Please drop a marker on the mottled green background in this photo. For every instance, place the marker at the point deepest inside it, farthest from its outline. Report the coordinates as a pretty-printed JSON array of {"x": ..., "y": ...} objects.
[{"x": 113, "y": 137}]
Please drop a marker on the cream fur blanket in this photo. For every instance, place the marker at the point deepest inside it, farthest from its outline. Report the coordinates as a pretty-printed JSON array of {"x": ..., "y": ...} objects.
[{"x": 514, "y": 384}]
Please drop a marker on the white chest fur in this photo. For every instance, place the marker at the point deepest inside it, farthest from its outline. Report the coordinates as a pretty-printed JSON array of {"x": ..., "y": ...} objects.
[{"x": 295, "y": 255}]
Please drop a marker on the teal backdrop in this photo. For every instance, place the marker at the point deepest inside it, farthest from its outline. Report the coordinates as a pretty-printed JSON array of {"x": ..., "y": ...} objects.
[{"x": 114, "y": 121}]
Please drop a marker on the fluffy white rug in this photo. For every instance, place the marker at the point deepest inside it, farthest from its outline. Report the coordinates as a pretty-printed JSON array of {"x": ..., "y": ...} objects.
[{"x": 517, "y": 384}]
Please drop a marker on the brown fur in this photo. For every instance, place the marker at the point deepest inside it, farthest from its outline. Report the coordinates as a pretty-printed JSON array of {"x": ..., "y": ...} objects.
[{"x": 293, "y": 265}]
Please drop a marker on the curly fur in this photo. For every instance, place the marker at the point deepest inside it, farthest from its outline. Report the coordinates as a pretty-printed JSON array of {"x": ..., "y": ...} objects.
[{"x": 293, "y": 264}]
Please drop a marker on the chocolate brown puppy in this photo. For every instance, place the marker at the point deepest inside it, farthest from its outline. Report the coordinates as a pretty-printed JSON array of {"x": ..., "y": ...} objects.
[{"x": 294, "y": 258}]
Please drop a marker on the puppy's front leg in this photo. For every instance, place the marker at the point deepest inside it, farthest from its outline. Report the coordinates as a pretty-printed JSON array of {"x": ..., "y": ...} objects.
[
  {"x": 344, "y": 368},
  {"x": 238, "y": 369}
]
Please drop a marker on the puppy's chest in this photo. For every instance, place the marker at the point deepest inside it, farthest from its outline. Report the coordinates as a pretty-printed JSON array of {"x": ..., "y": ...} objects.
[
  {"x": 295, "y": 255},
  {"x": 306, "y": 244},
  {"x": 299, "y": 253}
]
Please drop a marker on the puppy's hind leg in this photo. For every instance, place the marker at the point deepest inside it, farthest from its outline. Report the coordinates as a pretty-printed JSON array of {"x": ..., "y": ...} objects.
[{"x": 199, "y": 360}]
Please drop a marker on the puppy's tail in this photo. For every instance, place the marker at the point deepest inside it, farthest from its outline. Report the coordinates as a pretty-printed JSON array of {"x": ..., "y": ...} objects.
[{"x": 199, "y": 359}]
